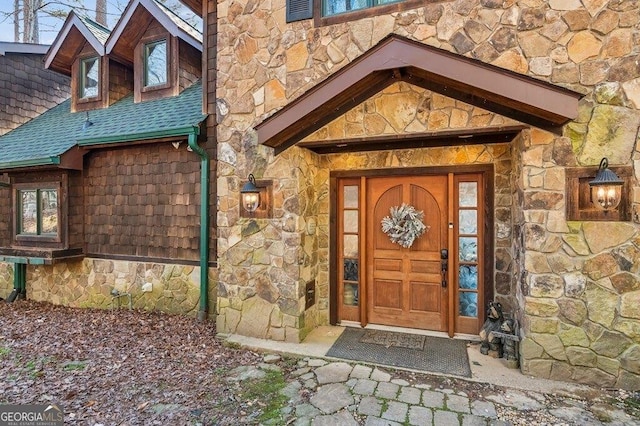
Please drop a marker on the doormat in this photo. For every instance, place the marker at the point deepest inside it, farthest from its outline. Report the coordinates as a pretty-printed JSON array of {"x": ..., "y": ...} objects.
[
  {"x": 400, "y": 340},
  {"x": 417, "y": 352}
]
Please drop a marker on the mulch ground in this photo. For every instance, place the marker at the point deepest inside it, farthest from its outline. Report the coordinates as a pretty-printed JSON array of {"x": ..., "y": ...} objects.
[{"x": 117, "y": 367}]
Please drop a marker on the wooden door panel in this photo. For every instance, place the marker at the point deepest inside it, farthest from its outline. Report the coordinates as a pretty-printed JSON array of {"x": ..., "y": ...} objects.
[
  {"x": 425, "y": 267},
  {"x": 425, "y": 201},
  {"x": 389, "y": 198},
  {"x": 387, "y": 294},
  {"x": 405, "y": 283},
  {"x": 425, "y": 297},
  {"x": 403, "y": 286},
  {"x": 388, "y": 265}
]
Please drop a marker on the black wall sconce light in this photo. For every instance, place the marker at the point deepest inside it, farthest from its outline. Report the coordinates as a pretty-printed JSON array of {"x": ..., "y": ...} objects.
[
  {"x": 255, "y": 197},
  {"x": 606, "y": 188},
  {"x": 250, "y": 195}
]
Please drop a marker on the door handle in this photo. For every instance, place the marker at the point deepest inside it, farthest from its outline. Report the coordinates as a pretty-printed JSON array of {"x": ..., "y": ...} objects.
[{"x": 444, "y": 266}]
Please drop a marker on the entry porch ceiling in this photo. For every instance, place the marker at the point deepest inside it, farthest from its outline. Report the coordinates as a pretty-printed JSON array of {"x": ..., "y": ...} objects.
[{"x": 395, "y": 59}]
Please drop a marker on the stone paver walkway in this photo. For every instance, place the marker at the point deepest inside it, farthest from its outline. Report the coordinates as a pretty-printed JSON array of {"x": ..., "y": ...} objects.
[{"x": 322, "y": 392}]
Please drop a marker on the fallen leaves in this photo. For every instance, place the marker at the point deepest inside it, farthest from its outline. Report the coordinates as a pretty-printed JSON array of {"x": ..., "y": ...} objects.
[{"x": 116, "y": 367}]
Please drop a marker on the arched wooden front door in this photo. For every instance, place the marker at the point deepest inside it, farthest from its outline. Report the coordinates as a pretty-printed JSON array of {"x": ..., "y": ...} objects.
[{"x": 405, "y": 285}]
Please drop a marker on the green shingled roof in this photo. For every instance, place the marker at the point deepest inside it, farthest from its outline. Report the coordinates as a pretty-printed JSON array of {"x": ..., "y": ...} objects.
[
  {"x": 43, "y": 139},
  {"x": 101, "y": 32}
]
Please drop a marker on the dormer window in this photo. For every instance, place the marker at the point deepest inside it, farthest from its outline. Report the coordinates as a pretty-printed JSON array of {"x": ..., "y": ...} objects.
[
  {"x": 155, "y": 64},
  {"x": 89, "y": 77}
]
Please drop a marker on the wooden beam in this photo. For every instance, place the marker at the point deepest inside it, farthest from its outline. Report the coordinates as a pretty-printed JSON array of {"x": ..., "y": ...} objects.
[
  {"x": 419, "y": 140},
  {"x": 334, "y": 107}
]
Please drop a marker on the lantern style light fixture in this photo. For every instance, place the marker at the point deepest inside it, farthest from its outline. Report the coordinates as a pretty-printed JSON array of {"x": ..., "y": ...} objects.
[
  {"x": 250, "y": 195},
  {"x": 606, "y": 188}
]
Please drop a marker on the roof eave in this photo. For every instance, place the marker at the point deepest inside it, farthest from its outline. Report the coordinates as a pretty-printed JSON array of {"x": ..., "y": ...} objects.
[
  {"x": 34, "y": 162},
  {"x": 158, "y": 14},
  {"x": 23, "y": 48},
  {"x": 135, "y": 137},
  {"x": 194, "y": 5},
  {"x": 72, "y": 21}
]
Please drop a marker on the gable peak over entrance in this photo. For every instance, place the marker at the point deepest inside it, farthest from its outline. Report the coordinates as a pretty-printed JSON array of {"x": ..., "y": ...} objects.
[{"x": 395, "y": 59}]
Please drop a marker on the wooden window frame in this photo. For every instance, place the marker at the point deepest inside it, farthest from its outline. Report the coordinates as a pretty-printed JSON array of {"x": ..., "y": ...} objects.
[
  {"x": 579, "y": 206},
  {"x": 464, "y": 324},
  {"x": 382, "y": 9},
  {"x": 353, "y": 313},
  {"x": 170, "y": 88},
  {"x": 145, "y": 67},
  {"x": 20, "y": 239},
  {"x": 81, "y": 79}
]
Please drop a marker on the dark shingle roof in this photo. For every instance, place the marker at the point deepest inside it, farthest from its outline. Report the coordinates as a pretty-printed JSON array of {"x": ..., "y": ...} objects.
[
  {"x": 101, "y": 32},
  {"x": 41, "y": 140}
]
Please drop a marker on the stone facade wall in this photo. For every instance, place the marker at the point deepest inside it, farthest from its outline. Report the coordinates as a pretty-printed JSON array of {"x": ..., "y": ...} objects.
[
  {"x": 590, "y": 46},
  {"x": 6, "y": 279},
  {"x": 88, "y": 284},
  {"x": 405, "y": 109}
]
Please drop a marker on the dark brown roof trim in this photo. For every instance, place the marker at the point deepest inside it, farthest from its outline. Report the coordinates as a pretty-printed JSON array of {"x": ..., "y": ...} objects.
[{"x": 396, "y": 58}]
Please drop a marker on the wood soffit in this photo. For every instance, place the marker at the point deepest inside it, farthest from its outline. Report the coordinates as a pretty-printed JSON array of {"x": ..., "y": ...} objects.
[
  {"x": 123, "y": 47},
  {"x": 194, "y": 5},
  {"x": 134, "y": 21},
  {"x": 69, "y": 41},
  {"x": 395, "y": 59}
]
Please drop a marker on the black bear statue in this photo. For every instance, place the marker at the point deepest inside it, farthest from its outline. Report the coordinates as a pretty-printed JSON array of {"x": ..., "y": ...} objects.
[{"x": 494, "y": 321}]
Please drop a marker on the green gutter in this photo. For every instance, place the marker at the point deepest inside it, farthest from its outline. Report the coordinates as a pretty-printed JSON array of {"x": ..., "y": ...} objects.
[
  {"x": 19, "y": 282},
  {"x": 156, "y": 134},
  {"x": 204, "y": 222},
  {"x": 55, "y": 160}
]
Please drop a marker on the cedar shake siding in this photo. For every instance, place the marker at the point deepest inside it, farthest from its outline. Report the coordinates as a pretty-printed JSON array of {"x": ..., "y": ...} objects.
[
  {"x": 189, "y": 65},
  {"x": 5, "y": 212},
  {"x": 75, "y": 220},
  {"x": 27, "y": 89},
  {"x": 120, "y": 81},
  {"x": 143, "y": 201}
]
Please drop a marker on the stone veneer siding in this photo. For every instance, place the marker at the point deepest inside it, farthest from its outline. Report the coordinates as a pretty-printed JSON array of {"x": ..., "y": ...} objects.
[
  {"x": 576, "y": 288},
  {"x": 6, "y": 279},
  {"x": 88, "y": 284}
]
